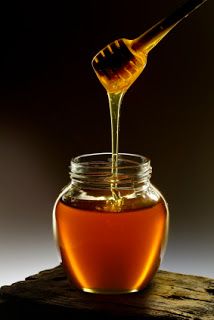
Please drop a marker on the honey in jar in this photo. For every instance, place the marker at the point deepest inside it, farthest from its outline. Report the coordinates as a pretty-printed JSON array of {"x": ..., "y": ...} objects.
[{"x": 111, "y": 233}]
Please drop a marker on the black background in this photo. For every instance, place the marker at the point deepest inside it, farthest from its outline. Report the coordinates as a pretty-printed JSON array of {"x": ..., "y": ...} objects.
[{"x": 54, "y": 108}]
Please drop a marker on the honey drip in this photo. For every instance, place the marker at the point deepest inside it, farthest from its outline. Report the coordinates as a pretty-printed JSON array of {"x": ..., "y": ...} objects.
[
  {"x": 119, "y": 64},
  {"x": 115, "y": 100}
]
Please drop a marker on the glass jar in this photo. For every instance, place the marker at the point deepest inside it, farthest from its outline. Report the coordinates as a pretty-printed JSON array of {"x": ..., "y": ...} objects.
[{"x": 111, "y": 232}]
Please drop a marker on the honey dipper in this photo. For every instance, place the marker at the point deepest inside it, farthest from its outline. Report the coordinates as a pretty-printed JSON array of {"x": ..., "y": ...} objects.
[{"x": 120, "y": 63}]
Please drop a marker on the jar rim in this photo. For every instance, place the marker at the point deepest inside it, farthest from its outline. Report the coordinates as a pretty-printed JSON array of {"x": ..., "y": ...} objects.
[
  {"x": 104, "y": 160},
  {"x": 95, "y": 170}
]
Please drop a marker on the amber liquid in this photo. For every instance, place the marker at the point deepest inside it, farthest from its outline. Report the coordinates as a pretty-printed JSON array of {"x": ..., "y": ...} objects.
[
  {"x": 111, "y": 252},
  {"x": 115, "y": 101}
]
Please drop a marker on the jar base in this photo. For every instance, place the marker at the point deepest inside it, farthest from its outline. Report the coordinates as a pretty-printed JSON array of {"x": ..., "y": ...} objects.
[{"x": 106, "y": 291}]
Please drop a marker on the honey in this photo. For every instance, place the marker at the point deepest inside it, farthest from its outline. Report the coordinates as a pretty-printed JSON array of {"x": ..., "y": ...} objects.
[
  {"x": 111, "y": 230},
  {"x": 111, "y": 252}
]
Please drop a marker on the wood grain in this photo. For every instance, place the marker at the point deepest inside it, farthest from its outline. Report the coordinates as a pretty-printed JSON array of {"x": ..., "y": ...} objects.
[{"x": 169, "y": 296}]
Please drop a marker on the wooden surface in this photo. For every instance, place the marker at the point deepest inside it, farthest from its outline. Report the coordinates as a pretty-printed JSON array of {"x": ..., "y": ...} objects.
[{"x": 169, "y": 296}]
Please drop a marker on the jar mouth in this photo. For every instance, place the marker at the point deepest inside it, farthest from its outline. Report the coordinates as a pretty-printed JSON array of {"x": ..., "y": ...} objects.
[
  {"x": 95, "y": 170},
  {"x": 104, "y": 160}
]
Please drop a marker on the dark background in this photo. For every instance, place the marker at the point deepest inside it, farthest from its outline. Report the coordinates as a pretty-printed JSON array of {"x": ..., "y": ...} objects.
[{"x": 54, "y": 108}]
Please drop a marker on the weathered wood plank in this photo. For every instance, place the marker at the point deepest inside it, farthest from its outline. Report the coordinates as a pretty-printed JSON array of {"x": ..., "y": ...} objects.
[{"x": 169, "y": 296}]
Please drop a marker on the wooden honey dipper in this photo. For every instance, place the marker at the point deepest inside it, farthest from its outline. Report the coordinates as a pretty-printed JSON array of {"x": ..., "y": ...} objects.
[{"x": 120, "y": 63}]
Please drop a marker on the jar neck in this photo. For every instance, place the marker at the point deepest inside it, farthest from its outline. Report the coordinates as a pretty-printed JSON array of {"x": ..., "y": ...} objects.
[{"x": 94, "y": 171}]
